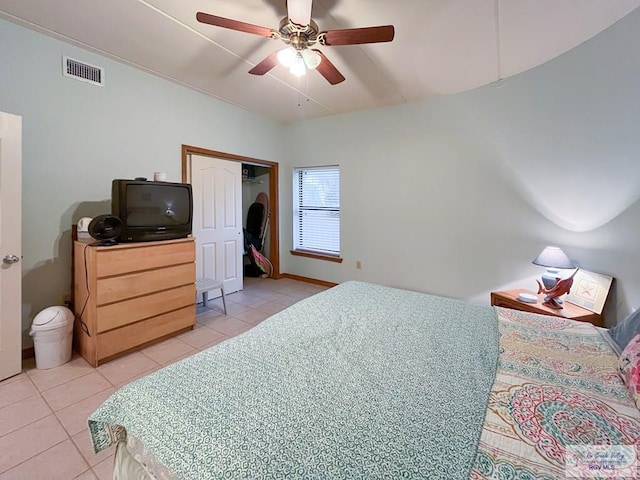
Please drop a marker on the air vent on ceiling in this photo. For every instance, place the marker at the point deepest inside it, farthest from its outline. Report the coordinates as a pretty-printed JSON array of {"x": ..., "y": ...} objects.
[{"x": 82, "y": 71}]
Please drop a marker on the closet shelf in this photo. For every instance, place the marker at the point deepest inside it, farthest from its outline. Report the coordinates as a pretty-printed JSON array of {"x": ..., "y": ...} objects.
[{"x": 246, "y": 181}]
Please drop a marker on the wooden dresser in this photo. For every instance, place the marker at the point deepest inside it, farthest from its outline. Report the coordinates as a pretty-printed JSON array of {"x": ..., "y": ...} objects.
[{"x": 131, "y": 294}]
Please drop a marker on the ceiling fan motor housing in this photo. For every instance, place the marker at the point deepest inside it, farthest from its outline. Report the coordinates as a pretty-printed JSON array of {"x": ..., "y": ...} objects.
[{"x": 297, "y": 35}]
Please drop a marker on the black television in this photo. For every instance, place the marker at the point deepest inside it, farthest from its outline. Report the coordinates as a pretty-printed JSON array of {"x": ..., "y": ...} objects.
[{"x": 151, "y": 211}]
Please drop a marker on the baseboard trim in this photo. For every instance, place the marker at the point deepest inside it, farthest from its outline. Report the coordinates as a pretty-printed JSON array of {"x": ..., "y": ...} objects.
[
  {"x": 315, "y": 281},
  {"x": 28, "y": 352}
]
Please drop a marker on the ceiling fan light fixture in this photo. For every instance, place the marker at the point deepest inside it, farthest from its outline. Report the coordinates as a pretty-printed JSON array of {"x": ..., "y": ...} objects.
[
  {"x": 298, "y": 69},
  {"x": 287, "y": 57},
  {"x": 311, "y": 59}
]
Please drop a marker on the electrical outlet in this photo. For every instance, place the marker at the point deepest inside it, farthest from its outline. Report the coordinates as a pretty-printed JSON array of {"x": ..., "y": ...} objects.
[
  {"x": 358, "y": 264},
  {"x": 66, "y": 300}
]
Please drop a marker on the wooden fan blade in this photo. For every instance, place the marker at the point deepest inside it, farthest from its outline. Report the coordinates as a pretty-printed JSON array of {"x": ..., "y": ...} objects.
[
  {"x": 328, "y": 70},
  {"x": 233, "y": 24},
  {"x": 265, "y": 65},
  {"x": 299, "y": 11},
  {"x": 355, "y": 36}
]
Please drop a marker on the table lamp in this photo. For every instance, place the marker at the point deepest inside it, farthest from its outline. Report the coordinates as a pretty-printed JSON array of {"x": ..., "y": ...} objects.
[{"x": 552, "y": 285}]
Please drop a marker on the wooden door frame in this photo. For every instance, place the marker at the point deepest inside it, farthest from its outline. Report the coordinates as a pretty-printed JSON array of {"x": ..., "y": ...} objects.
[{"x": 274, "y": 224}]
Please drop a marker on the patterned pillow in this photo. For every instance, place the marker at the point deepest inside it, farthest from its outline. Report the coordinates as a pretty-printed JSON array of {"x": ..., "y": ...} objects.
[{"x": 629, "y": 366}]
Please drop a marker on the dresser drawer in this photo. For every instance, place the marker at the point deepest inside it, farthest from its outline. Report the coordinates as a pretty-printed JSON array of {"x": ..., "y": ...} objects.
[
  {"x": 117, "y": 261},
  {"x": 115, "y": 289},
  {"x": 135, "y": 309},
  {"x": 121, "y": 340}
]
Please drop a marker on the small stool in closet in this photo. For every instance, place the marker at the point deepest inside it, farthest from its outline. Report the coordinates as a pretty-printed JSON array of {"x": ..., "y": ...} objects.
[{"x": 204, "y": 285}]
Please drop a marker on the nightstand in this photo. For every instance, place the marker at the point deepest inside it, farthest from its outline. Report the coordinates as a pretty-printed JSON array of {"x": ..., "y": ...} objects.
[{"x": 509, "y": 299}]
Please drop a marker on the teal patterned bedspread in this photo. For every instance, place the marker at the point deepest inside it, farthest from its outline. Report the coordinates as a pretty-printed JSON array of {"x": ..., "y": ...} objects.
[{"x": 359, "y": 381}]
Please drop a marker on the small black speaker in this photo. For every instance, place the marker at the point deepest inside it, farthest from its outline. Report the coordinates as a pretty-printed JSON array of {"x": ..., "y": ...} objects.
[{"x": 106, "y": 229}]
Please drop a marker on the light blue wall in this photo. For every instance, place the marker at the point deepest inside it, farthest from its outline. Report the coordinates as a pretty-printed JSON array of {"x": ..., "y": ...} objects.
[
  {"x": 78, "y": 137},
  {"x": 452, "y": 196},
  {"x": 457, "y": 195}
]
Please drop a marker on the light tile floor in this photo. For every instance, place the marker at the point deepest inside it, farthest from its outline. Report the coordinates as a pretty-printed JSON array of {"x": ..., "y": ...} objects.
[{"x": 43, "y": 413}]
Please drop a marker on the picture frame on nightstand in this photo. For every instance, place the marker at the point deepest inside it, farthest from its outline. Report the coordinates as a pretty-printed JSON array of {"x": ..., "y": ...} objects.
[{"x": 589, "y": 290}]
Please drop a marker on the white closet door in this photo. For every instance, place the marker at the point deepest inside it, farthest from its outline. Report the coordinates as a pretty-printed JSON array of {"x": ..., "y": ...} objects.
[{"x": 217, "y": 220}]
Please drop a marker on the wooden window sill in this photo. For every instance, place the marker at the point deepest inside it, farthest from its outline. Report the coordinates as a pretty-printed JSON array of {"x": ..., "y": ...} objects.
[{"x": 319, "y": 256}]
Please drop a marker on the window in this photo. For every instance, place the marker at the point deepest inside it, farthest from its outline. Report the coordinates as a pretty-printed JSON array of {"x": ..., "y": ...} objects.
[{"x": 316, "y": 210}]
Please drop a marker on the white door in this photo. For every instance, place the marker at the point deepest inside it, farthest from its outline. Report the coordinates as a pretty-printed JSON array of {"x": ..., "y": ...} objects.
[
  {"x": 10, "y": 245},
  {"x": 217, "y": 220}
]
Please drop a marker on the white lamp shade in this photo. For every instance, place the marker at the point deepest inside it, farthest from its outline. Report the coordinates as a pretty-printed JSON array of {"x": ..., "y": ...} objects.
[
  {"x": 311, "y": 59},
  {"x": 298, "y": 68},
  {"x": 287, "y": 56},
  {"x": 553, "y": 257}
]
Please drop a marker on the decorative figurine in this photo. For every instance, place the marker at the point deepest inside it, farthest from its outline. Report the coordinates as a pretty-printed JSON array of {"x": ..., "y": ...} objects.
[{"x": 561, "y": 287}]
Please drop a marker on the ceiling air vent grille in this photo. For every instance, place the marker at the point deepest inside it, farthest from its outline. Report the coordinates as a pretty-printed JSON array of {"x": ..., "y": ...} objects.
[{"x": 82, "y": 71}]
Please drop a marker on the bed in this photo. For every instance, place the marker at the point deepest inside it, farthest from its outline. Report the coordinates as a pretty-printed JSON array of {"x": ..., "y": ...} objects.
[{"x": 365, "y": 381}]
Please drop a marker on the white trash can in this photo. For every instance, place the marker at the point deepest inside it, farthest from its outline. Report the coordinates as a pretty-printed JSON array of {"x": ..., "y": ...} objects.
[{"x": 52, "y": 332}]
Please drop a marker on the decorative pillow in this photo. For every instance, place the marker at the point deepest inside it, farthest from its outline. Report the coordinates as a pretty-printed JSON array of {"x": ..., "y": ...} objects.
[
  {"x": 629, "y": 366},
  {"x": 624, "y": 331}
]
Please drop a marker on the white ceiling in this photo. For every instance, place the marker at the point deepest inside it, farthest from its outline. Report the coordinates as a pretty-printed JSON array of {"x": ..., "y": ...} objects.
[{"x": 440, "y": 46}]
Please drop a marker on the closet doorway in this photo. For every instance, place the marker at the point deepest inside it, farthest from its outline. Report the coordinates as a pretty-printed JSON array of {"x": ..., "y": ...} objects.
[
  {"x": 258, "y": 177},
  {"x": 255, "y": 212}
]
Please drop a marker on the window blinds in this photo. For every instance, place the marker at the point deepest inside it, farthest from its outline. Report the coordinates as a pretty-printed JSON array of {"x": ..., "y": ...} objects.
[{"x": 317, "y": 209}]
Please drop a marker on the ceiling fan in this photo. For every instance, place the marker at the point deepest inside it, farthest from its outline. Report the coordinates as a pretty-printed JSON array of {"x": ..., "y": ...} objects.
[{"x": 301, "y": 33}]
